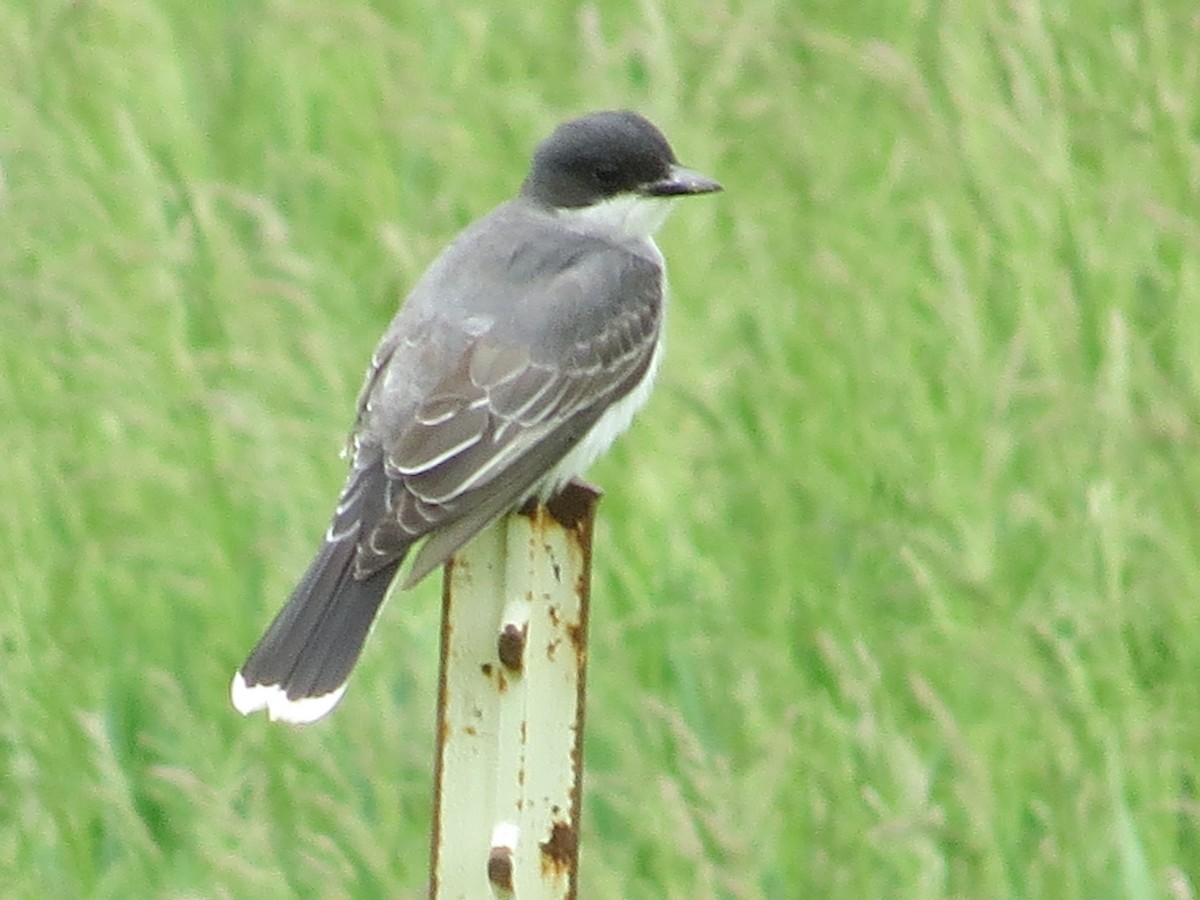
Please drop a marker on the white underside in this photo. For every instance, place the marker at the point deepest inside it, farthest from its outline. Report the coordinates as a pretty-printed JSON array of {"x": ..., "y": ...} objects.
[
  {"x": 628, "y": 217},
  {"x": 613, "y": 422},
  {"x": 271, "y": 697}
]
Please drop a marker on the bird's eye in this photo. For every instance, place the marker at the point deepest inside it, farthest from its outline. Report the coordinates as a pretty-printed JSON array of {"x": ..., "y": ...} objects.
[{"x": 606, "y": 174}]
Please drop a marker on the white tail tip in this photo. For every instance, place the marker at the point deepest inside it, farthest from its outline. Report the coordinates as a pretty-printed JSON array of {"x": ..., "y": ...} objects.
[{"x": 249, "y": 698}]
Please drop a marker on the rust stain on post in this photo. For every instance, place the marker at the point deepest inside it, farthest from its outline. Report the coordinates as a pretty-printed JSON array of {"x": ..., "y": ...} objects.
[
  {"x": 577, "y": 635},
  {"x": 435, "y": 831},
  {"x": 581, "y": 514},
  {"x": 510, "y": 647},
  {"x": 500, "y": 868},
  {"x": 560, "y": 853},
  {"x": 573, "y": 505}
]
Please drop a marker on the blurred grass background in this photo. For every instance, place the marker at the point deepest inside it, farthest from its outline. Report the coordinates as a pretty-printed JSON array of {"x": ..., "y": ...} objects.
[{"x": 897, "y": 576}]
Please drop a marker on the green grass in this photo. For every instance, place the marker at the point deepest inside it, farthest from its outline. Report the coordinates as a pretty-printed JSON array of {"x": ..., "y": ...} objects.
[{"x": 898, "y": 576}]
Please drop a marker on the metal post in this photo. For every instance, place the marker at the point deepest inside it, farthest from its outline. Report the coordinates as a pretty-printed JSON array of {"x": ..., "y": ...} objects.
[{"x": 510, "y": 706}]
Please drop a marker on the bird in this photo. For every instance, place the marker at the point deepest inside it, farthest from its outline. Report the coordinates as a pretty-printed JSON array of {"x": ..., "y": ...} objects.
[{"x": 516, "y": 359}]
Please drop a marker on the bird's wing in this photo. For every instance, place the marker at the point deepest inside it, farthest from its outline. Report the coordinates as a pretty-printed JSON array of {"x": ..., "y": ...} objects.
[{"x": 508, "y": 406}]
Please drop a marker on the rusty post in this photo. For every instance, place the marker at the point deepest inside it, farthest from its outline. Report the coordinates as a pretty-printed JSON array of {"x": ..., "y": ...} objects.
[{"x": 509, "y": 760}]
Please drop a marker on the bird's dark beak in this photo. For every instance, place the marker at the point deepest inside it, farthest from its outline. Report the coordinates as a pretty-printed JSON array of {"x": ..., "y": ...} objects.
[{"x": 681, "y": 182}]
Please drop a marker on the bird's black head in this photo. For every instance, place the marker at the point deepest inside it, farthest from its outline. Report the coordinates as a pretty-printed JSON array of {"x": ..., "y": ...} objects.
[{"x": 603, "y": 155}]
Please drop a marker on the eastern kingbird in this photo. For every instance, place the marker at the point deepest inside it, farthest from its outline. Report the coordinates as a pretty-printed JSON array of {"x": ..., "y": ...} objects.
[{"x": 518, "y": 357}]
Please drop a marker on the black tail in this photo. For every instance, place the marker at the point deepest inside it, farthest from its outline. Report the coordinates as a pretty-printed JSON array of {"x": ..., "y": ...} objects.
[{"x": 299, "y": 669}]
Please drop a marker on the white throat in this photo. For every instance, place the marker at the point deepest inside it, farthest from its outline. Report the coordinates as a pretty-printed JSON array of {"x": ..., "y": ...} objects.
[{"x": 621, "y": 218}]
